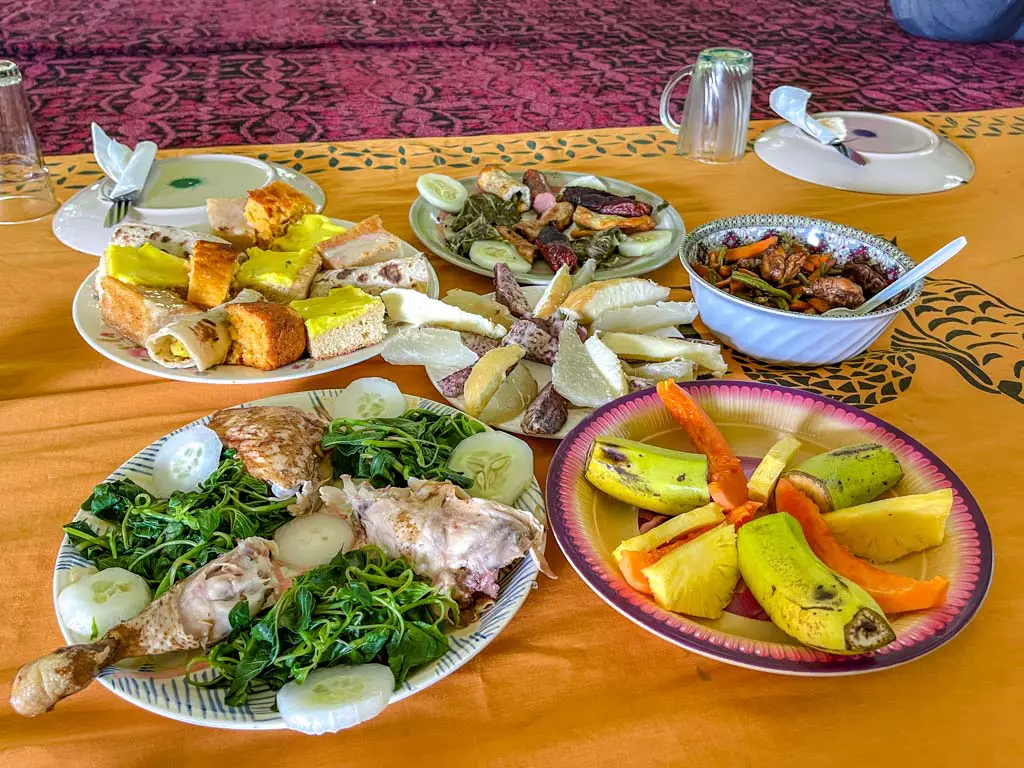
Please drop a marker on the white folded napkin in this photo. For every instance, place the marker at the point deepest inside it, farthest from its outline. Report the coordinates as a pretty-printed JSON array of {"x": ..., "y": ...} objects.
[{"x": 111, "y": 155}]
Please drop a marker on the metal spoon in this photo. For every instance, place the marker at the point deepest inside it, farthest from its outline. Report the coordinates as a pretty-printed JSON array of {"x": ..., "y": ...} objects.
[
  {"x": 933, "y": 262},
  {"x": 791, "y": 103}
]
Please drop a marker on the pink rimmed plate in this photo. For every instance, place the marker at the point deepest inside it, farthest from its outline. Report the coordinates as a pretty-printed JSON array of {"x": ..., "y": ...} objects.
[{"x": 588, "y": 524}]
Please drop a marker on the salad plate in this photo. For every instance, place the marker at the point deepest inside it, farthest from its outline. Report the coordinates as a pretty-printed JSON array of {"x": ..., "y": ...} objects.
[
  {"x": 589, "y": 524},
  {"x": 158, "y": 684},
  {"x": 427, "y": 222},
  {"x": 110, "y": 344},
  {"x": 79, "y": 222}
]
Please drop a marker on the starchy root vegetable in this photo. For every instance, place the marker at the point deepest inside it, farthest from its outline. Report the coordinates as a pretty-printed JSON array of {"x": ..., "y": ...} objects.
[
  {"x": 894, "y": 593},
  {"x": 746, "y": 251},
  {"x": 728, "y": 484},
  {"x": 847, "y": 476},
  {"x": 649, "y": 477}
]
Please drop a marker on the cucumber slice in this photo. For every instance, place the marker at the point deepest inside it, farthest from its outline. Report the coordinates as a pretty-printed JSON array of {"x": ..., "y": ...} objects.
[
  {"x": 185, "y": 460},
  {"x": 501, "y": 465},
  {"x": 487, "y": 253},
  {"x": 91, "y": 606},
  {"x": 370, "y": 398},
  {"x": 645, "y": 243},
  {"x": 312, "y": 540},
  {"x": 590, "y": 182},
  {"x": 331, "y": 699},
  {"x": 442, "y": 192}
]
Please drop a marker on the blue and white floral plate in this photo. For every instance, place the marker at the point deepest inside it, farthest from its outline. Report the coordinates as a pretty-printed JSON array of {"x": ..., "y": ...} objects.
[
  {"x": 113, "y": 346},
  {"x": 157, "y": 684}
]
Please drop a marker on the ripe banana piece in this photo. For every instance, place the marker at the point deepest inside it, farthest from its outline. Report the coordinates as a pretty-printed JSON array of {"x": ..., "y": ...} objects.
[
  {"x": 802, "y": 595},
  {"x": 649, "y": 477}
]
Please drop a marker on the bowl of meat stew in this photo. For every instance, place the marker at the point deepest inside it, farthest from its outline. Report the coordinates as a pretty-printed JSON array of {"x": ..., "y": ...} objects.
[{"x": 763, "y": 283}]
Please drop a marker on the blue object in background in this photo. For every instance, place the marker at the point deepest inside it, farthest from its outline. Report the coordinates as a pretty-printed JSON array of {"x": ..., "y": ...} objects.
[{"x": 962, "y": 21}]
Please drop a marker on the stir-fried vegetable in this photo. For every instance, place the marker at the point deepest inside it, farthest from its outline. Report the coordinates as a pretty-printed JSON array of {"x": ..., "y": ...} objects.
[
  {"x": 361, "y": 608},
  {"x": 166, "y": 540},
  {"x": 390, "y": 451}
]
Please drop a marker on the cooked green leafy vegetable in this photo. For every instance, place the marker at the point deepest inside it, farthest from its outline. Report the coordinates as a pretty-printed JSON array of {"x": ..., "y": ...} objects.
[
  {"x": 363, "y": 607},
  {"x": 166, "y": 540},
  {"x": 479, "y": 229},
  {"x": 477, "y": 221},
  {"x": 484, "y": 205},
  {"x": 600, "y": 246},
  {"x": 390, "y": 451}
]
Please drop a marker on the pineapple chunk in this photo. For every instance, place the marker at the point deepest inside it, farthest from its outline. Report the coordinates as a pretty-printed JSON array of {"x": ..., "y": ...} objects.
[
  {"x": 673, "y": 528},
  {"x": 888, "y": 529},
  {"x": 761, "y": 483},
  {"x": 699, "y": 577}
]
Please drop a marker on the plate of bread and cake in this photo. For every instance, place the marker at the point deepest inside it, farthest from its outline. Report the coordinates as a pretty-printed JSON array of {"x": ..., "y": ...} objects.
[
  {"x": 560, "y": 350},
  {"x": 273, "y": 292},
  {"x": 537, "y": 221}
]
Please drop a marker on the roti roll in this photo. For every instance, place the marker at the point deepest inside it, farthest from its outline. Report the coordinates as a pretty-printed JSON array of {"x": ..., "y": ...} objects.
[
  {"x": 198, "y": 341},
  {"x": 495, "y": 180}
]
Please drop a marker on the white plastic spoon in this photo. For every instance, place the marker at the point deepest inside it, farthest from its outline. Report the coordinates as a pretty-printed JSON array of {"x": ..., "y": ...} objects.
[{"x": 933, "y": 262}]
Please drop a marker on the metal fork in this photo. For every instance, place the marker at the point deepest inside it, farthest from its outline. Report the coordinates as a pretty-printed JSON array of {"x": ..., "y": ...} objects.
[{"x": 119, "y": 209}]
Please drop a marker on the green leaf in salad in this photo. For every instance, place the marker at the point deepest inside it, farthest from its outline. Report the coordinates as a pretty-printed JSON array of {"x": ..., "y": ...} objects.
[
  {"x": 387, "y": 452},
  {"x": 166, "y": 540},
  {"x": 362, "y": 607}
]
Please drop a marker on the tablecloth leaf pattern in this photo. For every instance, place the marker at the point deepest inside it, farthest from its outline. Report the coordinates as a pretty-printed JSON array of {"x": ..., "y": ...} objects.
[{"x": 524, "y": 151}]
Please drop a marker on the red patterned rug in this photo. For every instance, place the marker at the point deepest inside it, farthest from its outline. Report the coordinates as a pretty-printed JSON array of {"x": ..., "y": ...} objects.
[{"x": 187, "y": 73}]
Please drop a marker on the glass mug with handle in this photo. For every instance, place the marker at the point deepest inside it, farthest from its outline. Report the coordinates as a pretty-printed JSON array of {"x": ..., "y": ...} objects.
[{"x": 717, "y": 110}]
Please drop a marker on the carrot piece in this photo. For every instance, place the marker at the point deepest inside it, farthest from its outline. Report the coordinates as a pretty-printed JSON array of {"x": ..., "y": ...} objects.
[
  {"x": 728, "y": 483},
  {"x": 702, "y": 270},
  {"x": 892, "y": 592},
  {"x": 724, "y": 271},
  {"x": 743, "y": 514},
  {"x": 798, "y": 305},
  {"x": 751, "y": 249},
  {"x": 815, "y": 260},
  {"x": 820, "y": 305}
]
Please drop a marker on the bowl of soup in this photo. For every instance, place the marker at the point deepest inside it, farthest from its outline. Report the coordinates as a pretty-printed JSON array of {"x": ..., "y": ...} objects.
[{"x": 180, "y": 186}]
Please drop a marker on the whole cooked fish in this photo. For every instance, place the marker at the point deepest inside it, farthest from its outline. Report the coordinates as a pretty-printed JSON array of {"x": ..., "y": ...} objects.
[
  {"x": 191, "y": 615},
  {"x": 278, "y": 444},
  {"x": 459, "y": 543}
]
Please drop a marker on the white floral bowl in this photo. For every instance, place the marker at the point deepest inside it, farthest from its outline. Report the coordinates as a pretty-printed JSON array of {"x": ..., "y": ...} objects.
[{"x": 791, "y": 338}]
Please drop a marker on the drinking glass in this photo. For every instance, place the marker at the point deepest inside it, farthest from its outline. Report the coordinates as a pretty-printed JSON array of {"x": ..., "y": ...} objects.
[
  {"x": 717, "y": 109},
  {"x": 25, "y": 190}
]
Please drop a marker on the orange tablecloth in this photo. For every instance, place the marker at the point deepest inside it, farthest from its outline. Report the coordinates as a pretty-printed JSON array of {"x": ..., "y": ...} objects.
[{"x": 569, "y": 682}]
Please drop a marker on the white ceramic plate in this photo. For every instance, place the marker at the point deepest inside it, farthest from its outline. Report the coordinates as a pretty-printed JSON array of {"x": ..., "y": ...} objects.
[
  {"x": 904, "y": 158},
  {"x": 79, "y": 222},
  {"x": 426, "y": 223},
  {"x": 113, "y": 346},
  {"x": 157, "y": 684}
]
